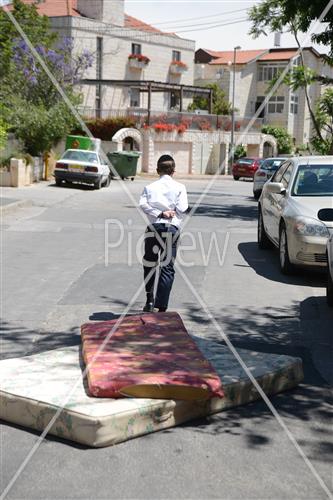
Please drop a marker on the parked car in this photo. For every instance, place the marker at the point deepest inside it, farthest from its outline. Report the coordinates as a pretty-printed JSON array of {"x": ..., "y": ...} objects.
[
  {"x": 288, "y": 211},
  {"x": 267, "y": 168},
  {"x": 326, "y": 215},
  {"x": 245, "y": 167},
  {"x": 78, "y": 165}
]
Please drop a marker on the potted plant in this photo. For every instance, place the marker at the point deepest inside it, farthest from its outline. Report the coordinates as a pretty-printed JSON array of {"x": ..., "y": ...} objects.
[
  {"x": 138, "y": 61},
  {"x": 178, "y": 67}
]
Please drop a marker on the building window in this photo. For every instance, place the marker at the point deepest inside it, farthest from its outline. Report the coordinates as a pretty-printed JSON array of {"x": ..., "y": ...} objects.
[
  {"x": 176, "y": 55},
  {"x": 135, "y": 98},
  {"x": 276, "y": 104},
  {"x": 294, "y": 104},
  {"x": 136, "y": 48},
  {"x": 259, "y": 101},
  {"x": 268, "y": 72},
  {"x": 174, "y": 100}
]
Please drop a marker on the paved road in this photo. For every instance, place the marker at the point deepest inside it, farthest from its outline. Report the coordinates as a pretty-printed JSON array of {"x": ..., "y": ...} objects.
[{"x": 55, "y": 278}]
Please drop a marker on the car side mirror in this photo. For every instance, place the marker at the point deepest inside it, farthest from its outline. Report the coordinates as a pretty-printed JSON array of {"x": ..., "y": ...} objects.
[
  {"x": 276, "y": 188},
  {"x": 326, "y": 214}
]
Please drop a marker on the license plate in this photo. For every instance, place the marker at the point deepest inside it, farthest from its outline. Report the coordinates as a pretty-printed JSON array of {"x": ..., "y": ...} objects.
[{"x": 76, "y": 168}]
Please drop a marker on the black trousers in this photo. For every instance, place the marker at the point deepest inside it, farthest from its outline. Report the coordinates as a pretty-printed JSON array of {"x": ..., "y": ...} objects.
[{"x": 160, "y": 245}]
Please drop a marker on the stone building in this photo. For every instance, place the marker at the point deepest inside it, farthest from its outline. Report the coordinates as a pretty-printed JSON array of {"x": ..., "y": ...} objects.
[
  {"x": 125, "y": 48},
  {"x": 253, "y": 71}
]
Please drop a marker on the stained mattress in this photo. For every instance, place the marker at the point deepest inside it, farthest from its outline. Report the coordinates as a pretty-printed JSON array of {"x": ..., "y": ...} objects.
[
  {"x": 33, "y": 389},
  {"x": 149, "y": 355}
]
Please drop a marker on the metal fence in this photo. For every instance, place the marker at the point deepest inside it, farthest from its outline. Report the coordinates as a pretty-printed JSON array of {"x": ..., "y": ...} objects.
[{"x": 168, "y": 120}]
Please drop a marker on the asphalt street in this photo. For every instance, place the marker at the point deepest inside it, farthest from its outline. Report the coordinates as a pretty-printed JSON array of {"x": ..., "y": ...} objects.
[{"x": 74, "y": 256}]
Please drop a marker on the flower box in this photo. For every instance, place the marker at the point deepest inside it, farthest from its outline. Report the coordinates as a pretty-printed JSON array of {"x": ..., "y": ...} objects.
[
  {"x": 178, "y": 68},
  {"x": 138, "y": 61}
]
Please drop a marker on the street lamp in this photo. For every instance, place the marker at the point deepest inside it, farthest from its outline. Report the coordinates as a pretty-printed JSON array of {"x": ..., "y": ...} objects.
[{"x": 233, "y": 108}]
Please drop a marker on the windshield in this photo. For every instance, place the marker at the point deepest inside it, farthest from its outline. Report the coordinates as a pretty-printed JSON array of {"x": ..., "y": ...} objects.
[
  {"x": 87, "y": 156},
  {"x": 245, "y": 161},
  {"x": 272, "y": 164},
  {"x": 313, "y": 180}
]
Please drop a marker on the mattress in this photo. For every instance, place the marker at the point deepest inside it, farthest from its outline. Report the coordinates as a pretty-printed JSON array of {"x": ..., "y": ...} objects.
[
  {"x": 33, "y": 388},
  {"x": 148, "y": 355}
]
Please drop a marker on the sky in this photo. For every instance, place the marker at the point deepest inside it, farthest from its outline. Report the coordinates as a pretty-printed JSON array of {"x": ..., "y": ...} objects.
[{"x": 192, "y": 18}]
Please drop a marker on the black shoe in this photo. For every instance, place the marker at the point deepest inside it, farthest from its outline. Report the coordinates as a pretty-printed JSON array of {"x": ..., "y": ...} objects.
[{"x": 149, "y": 307}]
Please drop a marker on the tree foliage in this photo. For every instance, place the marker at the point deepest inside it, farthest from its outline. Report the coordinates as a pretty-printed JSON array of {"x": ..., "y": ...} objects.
[
  {"x": 32, "y": 106},
  {"x": 221, "y": 106},
  {"x": 324, "y": 117},
  {"x": 276, "y": 15},
  {"x": 283, "y": 138},
  {"x": 3, "y": 134}
]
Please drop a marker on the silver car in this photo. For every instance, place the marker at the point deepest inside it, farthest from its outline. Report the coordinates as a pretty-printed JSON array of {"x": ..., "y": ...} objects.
[
  {"x": 326, "y": 215},
  {"x": 288, "y": 211},
  {"x": 267, "y": 168}
]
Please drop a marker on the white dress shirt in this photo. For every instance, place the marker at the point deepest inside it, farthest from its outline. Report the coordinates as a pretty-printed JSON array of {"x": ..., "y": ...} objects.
[{"x": 161, "y": 195}]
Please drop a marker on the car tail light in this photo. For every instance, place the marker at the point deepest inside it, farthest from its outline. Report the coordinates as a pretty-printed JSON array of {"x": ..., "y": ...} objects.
[
  {"x": 61, "y": 165},
  {"x": 91, "y": 169}
]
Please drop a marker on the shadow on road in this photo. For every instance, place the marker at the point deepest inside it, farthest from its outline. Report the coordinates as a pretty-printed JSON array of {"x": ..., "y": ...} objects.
[
  {"x": 232, "y": 211},
  {"x": 266, "y": 263}
]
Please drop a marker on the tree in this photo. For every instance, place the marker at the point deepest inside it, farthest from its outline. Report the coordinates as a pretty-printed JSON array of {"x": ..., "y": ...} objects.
[
  {"x": 283, "y": 138},
  {"x": 35, "y": 26},
  {"x": 220, "y": 104},
  {"x": 3, "y": 134},
  {"x": 32, "y": 106},
  {"x": 324, "y": 117},
  {"x": 297, "y": 16}
]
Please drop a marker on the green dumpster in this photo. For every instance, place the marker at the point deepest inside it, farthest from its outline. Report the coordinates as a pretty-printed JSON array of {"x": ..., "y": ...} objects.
[{"x": 124, "y": 163}]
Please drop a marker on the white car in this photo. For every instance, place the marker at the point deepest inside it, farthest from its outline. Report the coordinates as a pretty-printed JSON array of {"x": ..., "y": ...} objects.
[
  {"x": 267, "y": 168},
  {"x": 288, "y": 211},
  {"x": 326, "y": 215},
  {"x": 80, "y": 165}
]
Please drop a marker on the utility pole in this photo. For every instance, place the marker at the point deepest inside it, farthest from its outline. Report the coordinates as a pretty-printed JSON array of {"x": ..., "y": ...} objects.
[{"x": 232, "y": 141}]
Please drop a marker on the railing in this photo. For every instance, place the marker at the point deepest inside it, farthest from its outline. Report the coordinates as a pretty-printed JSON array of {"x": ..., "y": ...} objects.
[{"x": 173, "y": 119}]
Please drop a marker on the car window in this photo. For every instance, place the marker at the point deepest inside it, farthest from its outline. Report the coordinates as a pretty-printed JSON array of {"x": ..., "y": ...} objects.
[
  {"x": 245, "y": 161},
  {"x": 81, "y": 156},
  {"x": 286, "y": 176},
  {"x": 279, "y": 173},
  {"x": 271, "y": 165},
  {"x": 313, "y": 180}
]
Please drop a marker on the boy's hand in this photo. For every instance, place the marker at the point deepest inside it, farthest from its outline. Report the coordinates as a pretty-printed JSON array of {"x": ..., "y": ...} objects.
[{"x": 168, "y": 214}]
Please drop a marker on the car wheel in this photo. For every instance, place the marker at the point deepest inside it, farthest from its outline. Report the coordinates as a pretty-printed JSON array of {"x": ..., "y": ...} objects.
[
  {"x": 263, "y": 241},
  {"x": 107, "y": 181},
  {"x": 329, "y": 289},
  {"x": 98, "y": 184},
  {"x": 58, "y": 182},
  {"x": 286, "y": 266},
  {"x": 236, "y": 177}
]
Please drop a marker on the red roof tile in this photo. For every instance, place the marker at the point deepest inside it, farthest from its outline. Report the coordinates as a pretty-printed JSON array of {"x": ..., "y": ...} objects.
[
  {"x": 242, "y": 56},
  {"x": 279, "y": 55},
  {"x": 132, "y": 22},
  {"x": 60, "y": 8}
]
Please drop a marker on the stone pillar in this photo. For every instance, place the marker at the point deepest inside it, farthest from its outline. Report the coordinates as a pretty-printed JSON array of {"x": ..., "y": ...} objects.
[{"x": 17, "y": 172}]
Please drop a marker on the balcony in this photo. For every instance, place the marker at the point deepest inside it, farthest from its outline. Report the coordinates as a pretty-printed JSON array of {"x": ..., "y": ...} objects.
[
  {"x": 138, "y": 62},
  {"x": 177, "y": 68}
]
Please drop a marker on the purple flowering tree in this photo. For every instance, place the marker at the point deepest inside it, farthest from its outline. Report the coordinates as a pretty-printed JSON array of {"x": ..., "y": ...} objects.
[{"x": 66, "y": 66}]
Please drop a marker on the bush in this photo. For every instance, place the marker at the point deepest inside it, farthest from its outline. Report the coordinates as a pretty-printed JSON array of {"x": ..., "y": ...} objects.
[
  {"x": 283, "y": 138},
  {"x": 3, "y": 134},
  {"x": 105, "y": 128}
]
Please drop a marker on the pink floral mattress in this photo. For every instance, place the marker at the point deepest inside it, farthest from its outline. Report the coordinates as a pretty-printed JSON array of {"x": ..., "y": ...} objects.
[{"x": 149, "y": 356}]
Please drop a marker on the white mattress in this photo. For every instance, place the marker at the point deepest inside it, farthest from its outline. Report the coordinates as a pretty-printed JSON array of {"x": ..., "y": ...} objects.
[{"x": 35, "y": 387}]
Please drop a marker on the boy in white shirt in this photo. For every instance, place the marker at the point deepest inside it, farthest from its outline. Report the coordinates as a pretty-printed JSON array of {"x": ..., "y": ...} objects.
[{"x": 165, "y": 203}]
